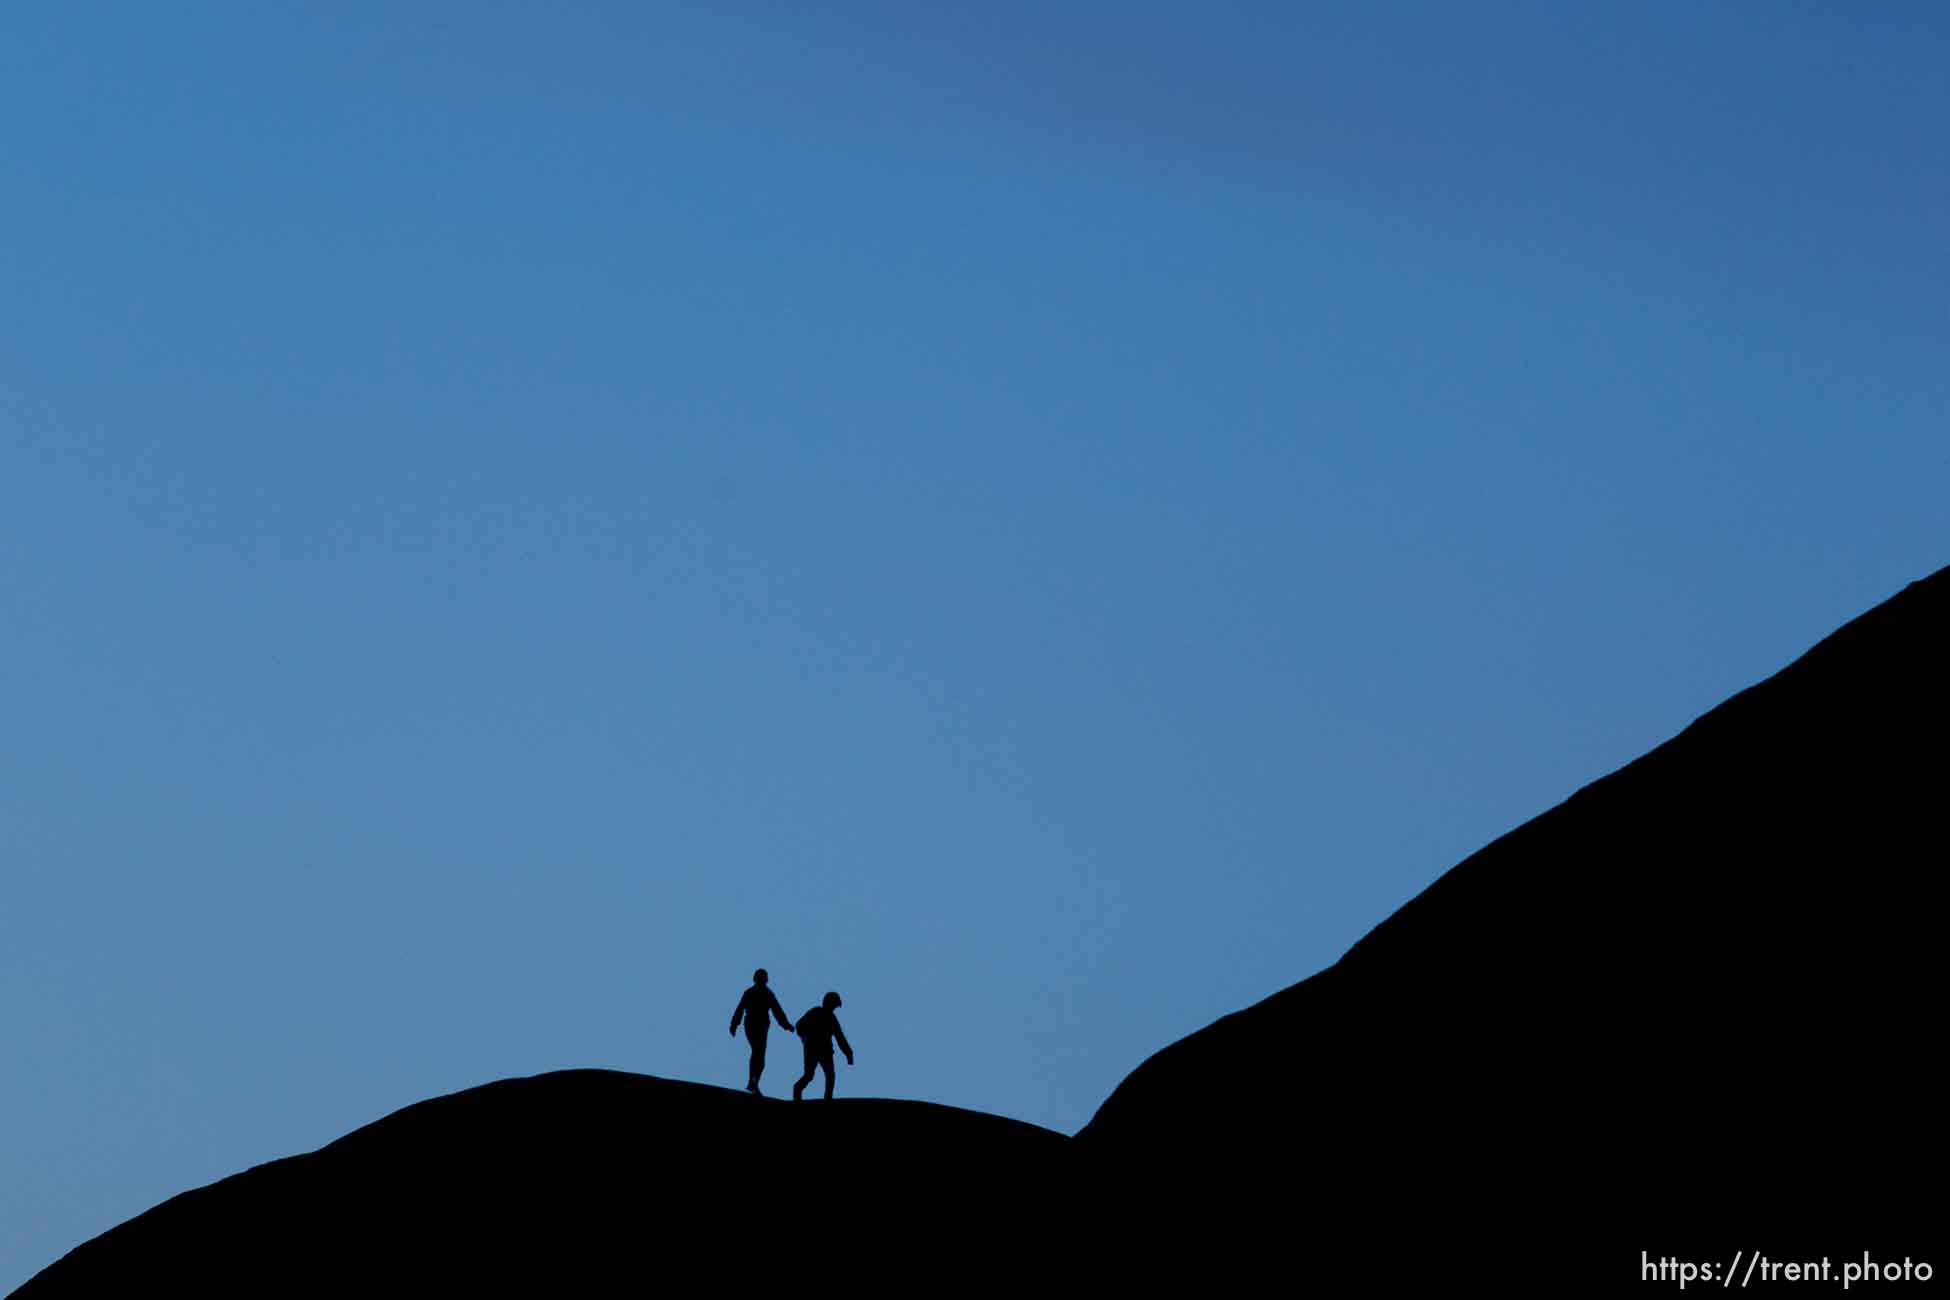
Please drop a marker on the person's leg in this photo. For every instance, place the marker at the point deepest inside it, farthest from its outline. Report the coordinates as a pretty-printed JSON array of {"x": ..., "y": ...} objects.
[
  {"x": 826, "y": 1064},
  {"x": 812, "y": 1063},
  {"x": 758, "y": 1059}
]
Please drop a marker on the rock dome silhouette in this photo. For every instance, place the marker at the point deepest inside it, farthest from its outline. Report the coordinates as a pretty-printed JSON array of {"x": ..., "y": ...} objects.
[{"x": 1695, "y": 999}]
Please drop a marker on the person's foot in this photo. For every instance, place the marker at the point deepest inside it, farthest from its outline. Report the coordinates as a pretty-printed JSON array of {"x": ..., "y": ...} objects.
[
  {"x": 752, "y": 1088},
  {"x": 798, "y": 1093}
]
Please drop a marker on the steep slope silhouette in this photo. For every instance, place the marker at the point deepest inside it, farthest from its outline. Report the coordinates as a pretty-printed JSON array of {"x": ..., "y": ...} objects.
[
  {"x": 1698, "y": 997},
  {"x": 1705, "y": 988}
]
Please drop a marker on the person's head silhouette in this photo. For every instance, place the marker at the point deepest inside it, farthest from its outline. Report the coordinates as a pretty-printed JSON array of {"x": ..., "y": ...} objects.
[
  {"x": 759, "y": 976},
  {"x": 831, "y": 1002}
]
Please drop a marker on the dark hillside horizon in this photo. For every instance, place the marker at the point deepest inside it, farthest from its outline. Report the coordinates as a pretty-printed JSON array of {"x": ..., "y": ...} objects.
[
  {"x": 1690, "y": 999},
  {"x": 559, "y": 1178},
  {"x": 1722, "y": 957}
]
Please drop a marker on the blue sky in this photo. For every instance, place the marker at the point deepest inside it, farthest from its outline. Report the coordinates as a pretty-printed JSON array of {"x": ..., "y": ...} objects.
[{"x": 1050, "y": 520}]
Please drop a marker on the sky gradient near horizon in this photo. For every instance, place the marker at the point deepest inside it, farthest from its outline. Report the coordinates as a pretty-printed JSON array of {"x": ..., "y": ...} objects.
[{"x": 1049, "y": 520}]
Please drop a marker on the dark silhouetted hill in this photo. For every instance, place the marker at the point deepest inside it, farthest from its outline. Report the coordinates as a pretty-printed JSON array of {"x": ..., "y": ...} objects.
[
  {"x": 1693, "y": 1009},
  {"x": 1704, "y": 990},
  {"x": 588, "y": 1180}
]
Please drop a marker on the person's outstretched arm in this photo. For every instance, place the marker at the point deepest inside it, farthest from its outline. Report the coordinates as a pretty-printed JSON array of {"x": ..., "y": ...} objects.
[
  {"x": 841, "y": 1035},
  {"x": 778, "y": 1011}
]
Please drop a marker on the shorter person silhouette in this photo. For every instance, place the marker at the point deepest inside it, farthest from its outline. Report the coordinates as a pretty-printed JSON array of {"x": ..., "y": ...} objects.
[
  {"x": 817, "y": 1029},
  {"x": 757, "y": 1008}
]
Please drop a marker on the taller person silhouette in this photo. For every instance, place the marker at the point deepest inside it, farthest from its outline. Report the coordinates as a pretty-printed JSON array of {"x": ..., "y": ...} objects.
[
  {"x": 757, "y": 1008},
  {"x": 817, "y": 1030}
]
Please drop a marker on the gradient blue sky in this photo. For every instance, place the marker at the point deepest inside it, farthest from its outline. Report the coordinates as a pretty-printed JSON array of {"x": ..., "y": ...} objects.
[{"x": 1049, "y": 519}]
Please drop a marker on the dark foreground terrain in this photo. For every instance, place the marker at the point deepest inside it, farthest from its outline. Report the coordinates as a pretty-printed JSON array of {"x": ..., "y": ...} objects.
[
  {"x": 1701, "y": 998},
  {"x": 1694, "y": 1010},
  {"x": 587, "y": 1178}
]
